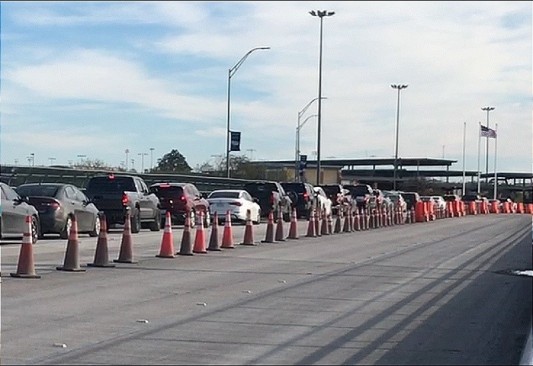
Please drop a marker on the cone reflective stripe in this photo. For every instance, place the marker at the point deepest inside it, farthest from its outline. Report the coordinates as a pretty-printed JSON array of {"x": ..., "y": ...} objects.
[
  {"x": 293, "y": 229},
  {"x": 227, "y": 235},
  {"x": 346, "y": 226},
  {"x": 279, "y": 228},
  {"x": 101, "y": 255},
  {"x": 213, "y": 239},
  {"x": 248, "y": 230},
  {"x": 330, "y": 224},
  {"x": 126, "y": 245},
  {"x": 26, "y": 267},
  {"x": 356, "y": 220},
  {"x": 311, "y": 225},
  {"x": 71, "y": 262},
  {"x": 350, "y": 219},
  {"x": 199, "y": 240},
  {"x": 167, "y": 242},
  {"x": 186, "y": 245},
  {"x": 269, "y": 236}
]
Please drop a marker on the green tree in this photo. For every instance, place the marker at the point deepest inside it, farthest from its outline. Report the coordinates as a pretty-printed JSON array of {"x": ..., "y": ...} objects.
[{"x": 173, "y": 162}]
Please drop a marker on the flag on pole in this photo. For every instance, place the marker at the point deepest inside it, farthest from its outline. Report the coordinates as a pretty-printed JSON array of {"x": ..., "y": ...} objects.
[{"x": 487, "y": 132}]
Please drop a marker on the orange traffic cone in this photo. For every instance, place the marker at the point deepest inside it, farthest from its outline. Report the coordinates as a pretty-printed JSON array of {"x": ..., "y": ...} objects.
[
  {"x": 324, "y": 224},
  {"x": 227, "y": 235},
  {"x": 293, "y": 229},
  {"x": 167, "y": 242},
  {"x": 213, "y": 239},
  {"x": 126, "y": 245},
  {"x": 186, "y": 246},
  {"x": 279, "y": 228},
  {"x": 71, "y": 262},
  {"x": 338, "y": 223},
  {"x": 101, "y": 256},
  {"x": 317, "y": 222},
  {"x": 311, "y": 233},
  {"x": 26, "y": 268},
  {"x": 248, "y": 230},
  {"x": 199, "y": 240},
  {"x": 269, "y": 236},
  {"x": 346, "y": 226}
]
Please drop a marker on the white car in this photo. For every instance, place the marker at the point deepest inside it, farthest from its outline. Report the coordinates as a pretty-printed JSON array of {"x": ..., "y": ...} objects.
[
  {"x": 322, "y": 200},
  {"x": 237, "y": 201},
  {"x": 440, "y": 202}
]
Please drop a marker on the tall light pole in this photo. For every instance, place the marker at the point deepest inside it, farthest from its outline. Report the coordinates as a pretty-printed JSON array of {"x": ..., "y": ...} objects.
[
  {"x": 298, "y": 125},
  {"x": 321, "y": 14},
  {"x": 127, "y": 152},
  {"x": 51, "y": 160},
  {"x": 298, "y": 128},
  {"x": 488, "y": 109},
  {"x": 142, "y": 155},
  {"x": 151, "y": 158},
  {"x": 231, "y": 72},
  {"x": 399, "y": 88}
]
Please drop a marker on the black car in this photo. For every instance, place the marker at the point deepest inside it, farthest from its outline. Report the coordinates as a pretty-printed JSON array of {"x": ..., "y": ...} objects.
[
  {"x": 411, "y": 198},
  {"x": 57, "y": 203},
  {"x": 363, "y": 195},
  {"x": 271, "y": 198},
  {"x": 302, "y": 197},
  {"x": 337, "y": 194},
  {"x": 14, "y": 210}
]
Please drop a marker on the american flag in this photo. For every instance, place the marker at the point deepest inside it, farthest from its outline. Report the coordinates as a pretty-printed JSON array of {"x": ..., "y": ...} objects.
[{"x": 487, "y": 132}]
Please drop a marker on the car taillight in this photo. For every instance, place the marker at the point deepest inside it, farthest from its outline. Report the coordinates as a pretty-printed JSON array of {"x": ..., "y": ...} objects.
[
  {"x": 306, "y": 196},
  {"x": 183, "y": 198},
  {"x": 124, "y": 199},
  {"x": 236, "y": 203}
]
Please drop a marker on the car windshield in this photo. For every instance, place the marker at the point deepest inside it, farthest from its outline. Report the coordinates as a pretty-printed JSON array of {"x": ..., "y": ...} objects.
[
  {"x": 111, "y": 184},
  {"x": 261, "y": 190},
  {"x": 331, "y": 190},
  {"x": 224, "y": 194},
  {"x": 38, "y": 190}
]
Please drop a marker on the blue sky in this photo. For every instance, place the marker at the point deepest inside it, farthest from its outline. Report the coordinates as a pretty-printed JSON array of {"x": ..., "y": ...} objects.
[{"x": 97, "y": 78}]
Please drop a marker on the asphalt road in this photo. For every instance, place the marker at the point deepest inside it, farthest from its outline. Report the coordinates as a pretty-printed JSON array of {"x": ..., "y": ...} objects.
[{"x": 441, "y": 292}]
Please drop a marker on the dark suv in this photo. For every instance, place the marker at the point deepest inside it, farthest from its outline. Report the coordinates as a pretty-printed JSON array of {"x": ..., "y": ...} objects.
[
  {"x": 337, "y": 194},
  {"x": 411, "y": 198},
  {"x": 302, "y": 197},
  {"x": 180, "y": 198},
  {"x": 363, "y": 195},
  {"x": 271, "y": 197}
]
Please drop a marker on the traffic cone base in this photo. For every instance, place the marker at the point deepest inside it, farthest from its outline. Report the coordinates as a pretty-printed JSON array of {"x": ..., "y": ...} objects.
[{"x": 279, "y": 228}]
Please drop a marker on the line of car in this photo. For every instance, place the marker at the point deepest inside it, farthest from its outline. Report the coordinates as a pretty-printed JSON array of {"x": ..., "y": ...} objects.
[{"x": 52, "y": 206}]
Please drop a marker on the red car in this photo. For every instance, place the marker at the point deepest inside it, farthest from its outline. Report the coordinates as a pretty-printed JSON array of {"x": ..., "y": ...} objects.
[{"x": 180, "y": 199}]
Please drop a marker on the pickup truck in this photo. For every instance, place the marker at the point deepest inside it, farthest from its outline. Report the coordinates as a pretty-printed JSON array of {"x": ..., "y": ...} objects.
[{"x": 115, "y": 194}]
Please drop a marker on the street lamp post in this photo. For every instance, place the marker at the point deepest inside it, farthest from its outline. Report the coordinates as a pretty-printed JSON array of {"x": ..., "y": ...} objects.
[
  {"x": 51, "y": 160},
  {"x": 152, "y": 158},
  {"x": 127, "y": 152},
  {"x": 321, "y": 14},
  {"x": 488, "y": 109},
  {"x": 399, "y": 87},
  {"x": 231, "y": 72},
  {"x": 142, "y": 155},
  {"x": 298, "y": 128}
]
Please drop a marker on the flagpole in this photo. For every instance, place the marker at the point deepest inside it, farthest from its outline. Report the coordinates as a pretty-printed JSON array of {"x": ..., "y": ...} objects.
[
  {"x": 478, "y": 153},
  {"x": 495, "y": 159},
  {"x": 464, "y": 174}
]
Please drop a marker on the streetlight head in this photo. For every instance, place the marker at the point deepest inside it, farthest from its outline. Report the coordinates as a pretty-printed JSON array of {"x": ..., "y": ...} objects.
[
  {"x": 330, "y": 13},
  {"x": 312, "y": 12},
  {"x": 264, "y": 48}
]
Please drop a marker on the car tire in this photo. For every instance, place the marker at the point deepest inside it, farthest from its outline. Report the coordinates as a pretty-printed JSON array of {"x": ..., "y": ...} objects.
[
  {"x": 64, "y": 234},
  {"x": 135, "y": 222},
  {"x": 155, "y": 225},
  {"x": 35, "y": 229},
  {"x": 96, "y": 228}
]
